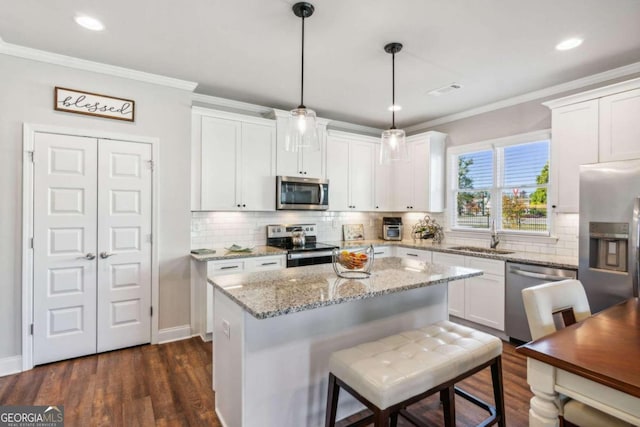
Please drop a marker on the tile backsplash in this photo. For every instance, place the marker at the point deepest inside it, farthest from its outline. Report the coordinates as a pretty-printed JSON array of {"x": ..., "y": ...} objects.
[{"x": 222, "y": 229}]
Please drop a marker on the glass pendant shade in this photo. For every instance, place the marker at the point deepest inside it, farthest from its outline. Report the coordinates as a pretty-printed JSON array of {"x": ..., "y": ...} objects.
[
  {"x": 394, "y": 146},
  {"x": 302, "y": 133}
]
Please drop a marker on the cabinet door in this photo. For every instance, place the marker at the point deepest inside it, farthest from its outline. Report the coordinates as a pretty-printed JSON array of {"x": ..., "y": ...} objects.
[
  {"x": 313, "y": 161},
  {"x": 258, "y": 168},
  {"x": 484, "y": 300},
  {"x": 574, "y": 143},
  {"x": 220, "y": 151},
  {"x": 421, "y": 181},
  {"x": 338, "y": 174},
  {"x": 382, "y": 184},
  {"x": 455, "y": 289},
  {"x": 416, "y": 254},
  {"x": 361, "y": 175},
  {"x": 402, "y": 199},
  {"x": 288, "y": 163},
  {"x": 620, "y": 126}
]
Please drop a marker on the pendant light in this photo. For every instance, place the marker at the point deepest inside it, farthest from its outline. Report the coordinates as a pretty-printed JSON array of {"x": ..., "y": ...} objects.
[
  {"x": 302, "y": 134},
  {"x": 394, "y": 143}
]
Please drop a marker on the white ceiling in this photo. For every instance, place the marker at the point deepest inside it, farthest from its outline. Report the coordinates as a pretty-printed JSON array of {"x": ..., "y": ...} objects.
[{"x": 249, "y": 50}]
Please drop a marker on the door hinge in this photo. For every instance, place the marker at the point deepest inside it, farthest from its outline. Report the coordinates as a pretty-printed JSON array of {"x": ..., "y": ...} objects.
[
  {"x": 31, "y": 156},
  {"x": 31, "y": 329},
  {"x": 151, "y": 238},
  {"x": 151, "y": 311},
  {"x": 152, "y": 165},
  {"x": 31, "y": 242}
]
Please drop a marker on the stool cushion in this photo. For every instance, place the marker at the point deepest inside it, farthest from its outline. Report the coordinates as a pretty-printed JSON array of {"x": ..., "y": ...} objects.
[{"x": 398, "y": 367}]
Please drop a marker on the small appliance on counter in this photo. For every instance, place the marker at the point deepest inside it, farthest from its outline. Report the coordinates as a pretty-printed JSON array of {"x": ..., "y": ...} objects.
[
  {"x": 391, "y": 228},
  {"x": 300, "y": 242}
]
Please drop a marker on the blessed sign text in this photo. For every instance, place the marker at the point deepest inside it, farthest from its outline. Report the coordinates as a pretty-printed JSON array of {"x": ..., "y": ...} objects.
[{"x": 93, "y": 104}]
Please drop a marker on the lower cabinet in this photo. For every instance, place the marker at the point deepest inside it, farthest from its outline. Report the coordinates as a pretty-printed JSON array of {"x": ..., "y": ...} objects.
[
  {"x": 234, "y": 266},
  {"x": 410, "y": 253},
  {"x": 477, "y": 299}
]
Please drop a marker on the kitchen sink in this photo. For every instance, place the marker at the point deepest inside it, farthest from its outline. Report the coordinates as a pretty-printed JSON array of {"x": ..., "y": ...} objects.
[{"x": 481, "y": 250}]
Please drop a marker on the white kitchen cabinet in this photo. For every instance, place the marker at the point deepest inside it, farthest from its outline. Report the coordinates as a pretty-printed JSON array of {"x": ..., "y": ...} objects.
[
  {"x": 350, "y": 171},
  {"x": 484, "y": 295},
  {"x": 234, "y": 266},
  {"x": 456, "y": 288},
  {"x": 308, "y": 164},
  {"x": 383, "y": 184},
  {"x": 418, "y": 185},
  {"x": 237, "y": 163},
  {"x": 382, "y": 252},
  {"x": 599, "y": 125},
  {"x": 574, "y": 143},
  {"x": 620, "y": 126},
  {"x": 410, "y": 253},
  {"x": 477, "y": 299}
]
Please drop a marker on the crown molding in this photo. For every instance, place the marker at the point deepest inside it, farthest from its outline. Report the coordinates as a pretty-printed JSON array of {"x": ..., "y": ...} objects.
[
  {"x": 229, "y": 104},
  {"x": 531, "y": 96},
  {"x": 594, "y": 93},
  {"x": 96, "y": 67}
]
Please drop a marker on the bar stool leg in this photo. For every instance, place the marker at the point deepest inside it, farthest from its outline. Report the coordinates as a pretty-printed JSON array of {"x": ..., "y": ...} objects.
[
  {"x": 332, "y": 401},
  {"x": 448, "y": 399},
  {"x": 381, "y": 418},
  {"x": 498, "y": 392},
  {"x": 394, "y": 419}
]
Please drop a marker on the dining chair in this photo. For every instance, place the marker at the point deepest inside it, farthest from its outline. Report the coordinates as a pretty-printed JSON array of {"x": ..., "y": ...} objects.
[{"x": 552, "y": 306}]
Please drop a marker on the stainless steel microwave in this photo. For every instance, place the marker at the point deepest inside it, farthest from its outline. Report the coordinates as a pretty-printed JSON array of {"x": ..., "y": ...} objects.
[{"x": 302, "y": 193}]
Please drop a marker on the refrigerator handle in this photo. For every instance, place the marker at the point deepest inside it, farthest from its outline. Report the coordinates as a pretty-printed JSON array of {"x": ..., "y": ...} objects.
[{"x": 636, "y": 246}]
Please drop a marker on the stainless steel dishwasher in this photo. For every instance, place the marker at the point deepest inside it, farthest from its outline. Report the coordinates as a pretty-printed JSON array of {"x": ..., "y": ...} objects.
[{"x": 519, "y": 277}]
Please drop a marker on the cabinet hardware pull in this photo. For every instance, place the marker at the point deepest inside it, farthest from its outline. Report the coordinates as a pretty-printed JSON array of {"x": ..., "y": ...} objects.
[
  {"x": 228, "y": 267},
  {"x": 270, "y": 263},
  {"x": 378, "y": 253},
  {"x": 412, "y": 254}
]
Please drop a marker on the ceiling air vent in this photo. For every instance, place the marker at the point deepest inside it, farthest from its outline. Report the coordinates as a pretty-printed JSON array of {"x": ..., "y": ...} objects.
[{"x": 445, "y": 89}]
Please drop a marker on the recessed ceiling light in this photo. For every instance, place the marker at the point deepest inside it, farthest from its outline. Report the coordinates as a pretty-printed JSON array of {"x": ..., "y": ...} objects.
[
  {"x": 395, "y": 107},
  {"x": 569, "y": 44},
  {"x": 89, "y": 23}
]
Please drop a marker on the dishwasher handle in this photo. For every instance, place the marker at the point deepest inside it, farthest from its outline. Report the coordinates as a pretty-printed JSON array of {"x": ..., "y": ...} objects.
[{"x": 538, "y": 275}]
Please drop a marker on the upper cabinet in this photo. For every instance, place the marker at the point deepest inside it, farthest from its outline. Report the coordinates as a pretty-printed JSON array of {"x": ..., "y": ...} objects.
[
  {"x": 236, "y": 158},
  {"x": 600, "y": 125},
  {"x": 350, "y": 171},
  {"x": 620, "y": 126},
  {"x": 308, "y": 164},
  {"x": 418, "y": 185}
]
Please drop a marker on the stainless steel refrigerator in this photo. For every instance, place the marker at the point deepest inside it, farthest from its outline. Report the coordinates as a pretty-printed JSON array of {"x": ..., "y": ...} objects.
[{"x": 608, "y": 248}]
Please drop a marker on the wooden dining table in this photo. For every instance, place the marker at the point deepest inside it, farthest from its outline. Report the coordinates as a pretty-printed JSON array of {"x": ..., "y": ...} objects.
[{"x": 595, "y": 361}]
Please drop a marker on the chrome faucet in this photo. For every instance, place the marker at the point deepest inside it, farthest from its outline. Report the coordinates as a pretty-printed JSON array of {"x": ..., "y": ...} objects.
[{"x": 494, "y": 235}]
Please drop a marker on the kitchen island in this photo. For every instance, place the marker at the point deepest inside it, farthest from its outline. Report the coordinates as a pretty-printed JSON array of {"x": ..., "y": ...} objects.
[{"x": 274, "y": 332}]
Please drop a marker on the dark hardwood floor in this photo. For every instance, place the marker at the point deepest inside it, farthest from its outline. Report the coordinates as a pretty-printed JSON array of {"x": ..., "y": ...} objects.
[{"x": 170, "y": 385}]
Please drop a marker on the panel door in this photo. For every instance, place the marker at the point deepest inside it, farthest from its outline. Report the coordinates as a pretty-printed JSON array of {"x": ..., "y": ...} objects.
[
  {"x": 403, "y": 183},
  {"x": 620, "y": 127},
  {"x": 574, "y": 142},
  {"x": 258, "y": 167},
  {"x": 64, "y": 247},
  {"x": 124, "y": 244},
  {"x": 421, "y": 176},
  {"x": 338, "y": 174},
  {"x": 288, "y": 163},
  {"x": 361, "y": 175},
  {"x": 484, "y": 300},
  {"x": 456, "y": 288},
  {"x": 383, "y": 184},
  {"x": 220, "y": 151}
]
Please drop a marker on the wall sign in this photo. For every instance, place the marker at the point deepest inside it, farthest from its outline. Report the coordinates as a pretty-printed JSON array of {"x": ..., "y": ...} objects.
[{"x": 93, "y": 104}]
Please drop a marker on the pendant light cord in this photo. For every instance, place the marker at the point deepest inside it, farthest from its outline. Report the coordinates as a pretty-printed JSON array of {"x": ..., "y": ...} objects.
[
  {"x": 302, "y": 71},
  {"x": 393, "y": 90}
]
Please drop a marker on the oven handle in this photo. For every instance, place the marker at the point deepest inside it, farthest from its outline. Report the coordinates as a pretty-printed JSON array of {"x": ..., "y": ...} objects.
[
  {"x": 537, "y": 275},
  {"x": 312, "y": 254}
]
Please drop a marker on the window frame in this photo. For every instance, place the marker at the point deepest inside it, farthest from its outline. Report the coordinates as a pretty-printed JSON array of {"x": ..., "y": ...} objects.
[{"x": 497, "y": 147}]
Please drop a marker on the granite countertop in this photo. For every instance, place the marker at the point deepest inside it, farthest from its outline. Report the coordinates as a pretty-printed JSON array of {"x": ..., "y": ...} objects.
[
  {"x": 545, "y": 260},
  {"x": 280, "y": 292},
  {"x": 222, "y": 254}
]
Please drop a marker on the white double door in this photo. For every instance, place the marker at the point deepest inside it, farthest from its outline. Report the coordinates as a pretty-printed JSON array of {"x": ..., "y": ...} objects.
[{"x": 92, "y": 203}]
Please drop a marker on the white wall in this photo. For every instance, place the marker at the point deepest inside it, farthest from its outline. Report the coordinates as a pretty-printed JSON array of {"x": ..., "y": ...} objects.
[{"x": 26, "y": 89}]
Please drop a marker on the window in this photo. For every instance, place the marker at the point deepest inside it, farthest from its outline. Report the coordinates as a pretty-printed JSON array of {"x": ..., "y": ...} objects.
[{"x": 503, "y": 181}]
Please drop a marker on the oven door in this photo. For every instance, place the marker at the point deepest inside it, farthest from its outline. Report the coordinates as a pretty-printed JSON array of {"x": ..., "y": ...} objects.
[
  {"x": 302, "y": 193},
  {"x": 299, "y": 259}
]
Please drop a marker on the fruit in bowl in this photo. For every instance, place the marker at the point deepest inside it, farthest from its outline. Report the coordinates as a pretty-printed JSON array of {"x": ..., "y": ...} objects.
[{"x": 352, "y": 260}]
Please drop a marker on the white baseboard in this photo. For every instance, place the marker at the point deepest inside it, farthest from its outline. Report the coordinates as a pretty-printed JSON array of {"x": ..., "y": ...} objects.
[
  {"x": 174, "y": 334},
  {"x": 10, "y": 365}
]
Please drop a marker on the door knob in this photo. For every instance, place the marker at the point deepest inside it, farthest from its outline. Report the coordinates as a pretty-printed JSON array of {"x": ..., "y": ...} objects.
[
  {"x": 90, "y": 256},
  {"x": 104, "y": 255}
]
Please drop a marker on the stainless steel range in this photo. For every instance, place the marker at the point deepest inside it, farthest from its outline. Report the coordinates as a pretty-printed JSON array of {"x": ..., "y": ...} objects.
[{"x": 300, "y": 241}]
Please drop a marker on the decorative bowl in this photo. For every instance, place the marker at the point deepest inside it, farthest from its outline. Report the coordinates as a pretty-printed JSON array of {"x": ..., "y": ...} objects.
[{"x": 353, "y": 264}]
